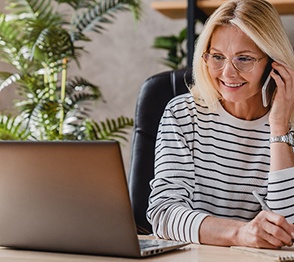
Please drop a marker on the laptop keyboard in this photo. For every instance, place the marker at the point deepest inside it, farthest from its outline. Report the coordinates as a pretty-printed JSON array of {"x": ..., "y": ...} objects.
[{"x": 148, "y": 243}]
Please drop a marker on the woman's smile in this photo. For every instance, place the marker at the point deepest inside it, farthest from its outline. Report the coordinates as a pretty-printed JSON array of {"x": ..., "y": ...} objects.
[{"x": 233, "y": 85}]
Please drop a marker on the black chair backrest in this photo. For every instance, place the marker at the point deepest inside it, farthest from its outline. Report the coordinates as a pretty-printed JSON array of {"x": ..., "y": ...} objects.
[{"x": 154, "y": 94}]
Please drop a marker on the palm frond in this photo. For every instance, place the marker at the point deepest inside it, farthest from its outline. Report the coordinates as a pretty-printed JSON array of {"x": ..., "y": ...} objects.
[
  {"x": 175, "y": 47},
  {"x": 79, "y": 92},
  {"x": 79, "y": 89},
  {"x": 12, "y": 41},
  {"x": 27, "y": 8},
  {"x": 77, "y": 4},
  {"x": 8, "y": 31},
  {"x": 51, "y": 44},
  {"x": 19, "y": 6},
  {"x": 105, "y": 130},
  {"x": 11, "y": 128},
  {"x": 6, "y": 79},
  {"x": 103, "y": 13},
  {"x": 42, "y": 119},
  {"x": 32, "y": 87}
]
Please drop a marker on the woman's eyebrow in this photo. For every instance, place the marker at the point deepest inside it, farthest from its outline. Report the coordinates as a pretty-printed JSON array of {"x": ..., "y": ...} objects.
[
  {"x": 239, "y": 52},
  {"x": 246, "y": 51}
]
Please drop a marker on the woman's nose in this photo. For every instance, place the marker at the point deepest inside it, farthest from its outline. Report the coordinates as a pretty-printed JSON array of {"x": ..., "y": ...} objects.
[{"x": 229, "y": 69}]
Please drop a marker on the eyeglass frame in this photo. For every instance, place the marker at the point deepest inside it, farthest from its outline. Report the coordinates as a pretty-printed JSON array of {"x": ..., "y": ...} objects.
[{"x": 232, "y": 61}]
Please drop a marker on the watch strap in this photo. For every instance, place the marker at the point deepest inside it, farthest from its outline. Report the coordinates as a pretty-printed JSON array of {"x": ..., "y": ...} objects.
[{"x": 288, "y": 139}]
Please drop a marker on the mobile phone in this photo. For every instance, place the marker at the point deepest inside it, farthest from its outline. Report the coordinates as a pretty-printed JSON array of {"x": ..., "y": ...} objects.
[
  {"x": 268, "y": 90},
  {"x": 268, "y": 87}
]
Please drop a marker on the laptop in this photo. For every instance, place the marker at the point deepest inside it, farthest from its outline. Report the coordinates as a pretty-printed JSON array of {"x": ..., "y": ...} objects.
[{"x": 69, "y": 197}]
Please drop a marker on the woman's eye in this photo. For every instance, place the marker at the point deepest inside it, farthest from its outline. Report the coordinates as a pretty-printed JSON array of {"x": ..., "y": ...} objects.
[
  {"x": 245, "y": 59},
  {"x": 218, "y": 57}
]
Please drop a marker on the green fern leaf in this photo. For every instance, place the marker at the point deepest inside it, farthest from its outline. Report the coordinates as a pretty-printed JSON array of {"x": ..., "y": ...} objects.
[
  {"x": 108, "y": 129},
  {"x": 11, "y": 128}
]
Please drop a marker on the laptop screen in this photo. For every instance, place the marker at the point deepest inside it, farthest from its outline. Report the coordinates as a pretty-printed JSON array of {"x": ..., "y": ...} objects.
[{"x": 66, "y": 196}]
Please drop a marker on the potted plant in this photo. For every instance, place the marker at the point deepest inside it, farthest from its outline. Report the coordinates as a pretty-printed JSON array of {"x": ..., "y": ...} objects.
[{"x": 39, "y": 42}]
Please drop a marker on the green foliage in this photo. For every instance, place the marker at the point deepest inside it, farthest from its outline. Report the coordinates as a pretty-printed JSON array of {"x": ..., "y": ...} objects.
[
  {"x": 110, "y": 129},
  {"x": 11, "y": 128},
  {"x": 39, "y": 42},
  {"x": 176, "y": 47}
]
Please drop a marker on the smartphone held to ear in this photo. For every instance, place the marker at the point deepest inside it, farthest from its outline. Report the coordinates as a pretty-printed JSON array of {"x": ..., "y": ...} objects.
[
  {"x": 269, "y": 85},
  {"x": 268, "y": 90}
]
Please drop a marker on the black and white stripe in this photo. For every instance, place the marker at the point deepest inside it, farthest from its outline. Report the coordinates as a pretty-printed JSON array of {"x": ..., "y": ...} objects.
[{"x": 209, "y": 163}]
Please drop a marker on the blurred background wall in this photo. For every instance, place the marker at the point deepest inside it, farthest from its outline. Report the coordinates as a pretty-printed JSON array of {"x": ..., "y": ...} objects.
[{"x": 120, "y": 59}]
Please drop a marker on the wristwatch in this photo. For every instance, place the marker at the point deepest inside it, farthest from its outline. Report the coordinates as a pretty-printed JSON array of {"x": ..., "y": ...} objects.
[{"x": 288, "y": 139}]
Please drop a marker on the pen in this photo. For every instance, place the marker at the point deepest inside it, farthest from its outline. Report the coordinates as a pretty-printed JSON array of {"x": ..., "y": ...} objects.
[{"x": 264, "y": 206}]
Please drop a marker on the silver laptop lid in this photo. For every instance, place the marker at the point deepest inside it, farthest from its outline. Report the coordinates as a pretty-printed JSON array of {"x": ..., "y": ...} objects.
[{"x": 67, "y": 197}]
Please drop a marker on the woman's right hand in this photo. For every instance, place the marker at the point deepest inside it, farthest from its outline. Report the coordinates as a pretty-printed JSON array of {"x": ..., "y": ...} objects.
[{"x": 266, "y": 230}]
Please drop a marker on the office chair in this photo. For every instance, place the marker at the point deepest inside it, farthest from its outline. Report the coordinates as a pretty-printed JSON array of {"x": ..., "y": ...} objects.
[{"x": 154, "y": 94}]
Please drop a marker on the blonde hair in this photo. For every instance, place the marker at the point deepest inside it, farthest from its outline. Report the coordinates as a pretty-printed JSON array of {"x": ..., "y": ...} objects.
[{"x": 260, "y": 21}]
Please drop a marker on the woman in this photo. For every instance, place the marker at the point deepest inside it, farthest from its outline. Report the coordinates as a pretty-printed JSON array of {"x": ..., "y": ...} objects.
[{"x": 219, "y": 143}]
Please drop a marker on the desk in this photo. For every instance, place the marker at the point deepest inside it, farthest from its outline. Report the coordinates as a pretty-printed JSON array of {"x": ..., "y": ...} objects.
[
  {"x": 176, "y": 9},
  {"x": 191, "y": 253}
]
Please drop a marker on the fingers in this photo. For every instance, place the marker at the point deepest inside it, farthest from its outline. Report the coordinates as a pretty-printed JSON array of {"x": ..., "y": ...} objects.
[
  {"x": 281, "y": 222},
  {"x": 266, "y": 230},
  {"x": 277, "y": 231},
  {"x": 281, "y": 69},
  {"x": 284, "y": 77},
  {"x": 261, "y": 238},
  {"x": 283, "y": 100}
]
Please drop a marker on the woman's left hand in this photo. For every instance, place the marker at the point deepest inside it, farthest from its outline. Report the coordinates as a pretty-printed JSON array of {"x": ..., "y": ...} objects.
[{"x": 283, "y": 100}]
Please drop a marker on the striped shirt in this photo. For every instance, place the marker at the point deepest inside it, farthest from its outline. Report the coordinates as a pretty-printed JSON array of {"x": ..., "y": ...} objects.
[{"x": 208, "y": 163}]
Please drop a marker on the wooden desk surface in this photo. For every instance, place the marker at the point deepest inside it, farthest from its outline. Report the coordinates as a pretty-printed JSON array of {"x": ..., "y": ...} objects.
[
  {"x": 191, "y": 253},
  {"x": 176, "y": 9}
]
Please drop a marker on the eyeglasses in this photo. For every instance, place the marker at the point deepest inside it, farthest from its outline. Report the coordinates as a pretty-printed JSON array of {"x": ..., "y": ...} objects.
[{"x": 241, "y": 63}]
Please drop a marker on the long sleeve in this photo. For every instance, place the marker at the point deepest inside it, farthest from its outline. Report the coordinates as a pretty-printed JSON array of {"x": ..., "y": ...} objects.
[
  {"x": 171, "y": 204},
  {"x": 208, "y": 163},
  {"x": 280, "y": 196}
]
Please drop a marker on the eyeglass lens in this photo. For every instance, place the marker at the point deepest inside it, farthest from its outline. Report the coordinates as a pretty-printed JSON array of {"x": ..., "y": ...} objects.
[{"x": 241, "y": 63}]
